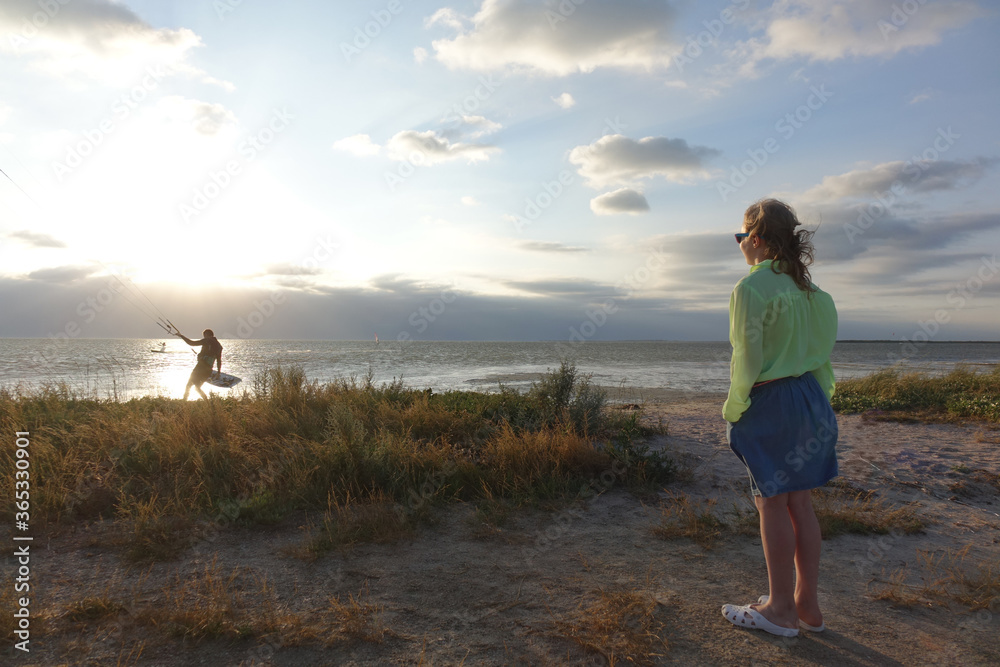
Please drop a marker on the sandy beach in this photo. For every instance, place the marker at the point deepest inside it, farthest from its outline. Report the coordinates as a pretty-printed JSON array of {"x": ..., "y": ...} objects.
[{"x": 544, "y": 587}]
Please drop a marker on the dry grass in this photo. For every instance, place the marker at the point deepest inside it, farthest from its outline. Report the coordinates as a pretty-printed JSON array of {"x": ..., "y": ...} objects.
[
  {"x": 862, "y": 513},
  {"x": 622, "y": 626},
  {"x": 212, "y": 603},
  {"x": 375, "y": 519},
  {"x": 896, "y": 591},
  {"x": 355, "y": 618},
  {"x": 161, "y": 467},
  {"x": 945, "y": 577},
  {"x": 838, "y": 510},
  {"x": 492, "y": 513},
  {"x": 680, "y": 517},
  {"x": 146, "y": 533},
  {"x": 94, "y": 608}
]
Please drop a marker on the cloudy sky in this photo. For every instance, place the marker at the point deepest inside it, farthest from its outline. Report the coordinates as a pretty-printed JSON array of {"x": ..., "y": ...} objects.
[{"x": 491, "y": 169}]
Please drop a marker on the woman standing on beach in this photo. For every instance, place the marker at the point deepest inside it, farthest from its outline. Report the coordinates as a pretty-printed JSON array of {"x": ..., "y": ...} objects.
[{"x": 780, "y": 423}]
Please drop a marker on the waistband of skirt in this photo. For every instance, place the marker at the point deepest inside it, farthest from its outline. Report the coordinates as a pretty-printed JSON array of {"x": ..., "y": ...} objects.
[{"x": 787, "y": 378}]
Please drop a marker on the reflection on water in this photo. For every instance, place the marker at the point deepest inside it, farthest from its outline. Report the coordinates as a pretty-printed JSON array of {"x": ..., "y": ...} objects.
[{"x": 126, "y": 368}]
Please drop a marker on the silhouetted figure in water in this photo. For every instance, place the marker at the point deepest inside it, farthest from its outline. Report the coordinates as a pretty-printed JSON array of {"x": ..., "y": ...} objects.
[{"x": 211, "y": 352}]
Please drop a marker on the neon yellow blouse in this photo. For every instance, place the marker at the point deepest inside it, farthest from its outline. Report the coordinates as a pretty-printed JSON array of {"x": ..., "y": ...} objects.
[{"x": 777, "y": 330}]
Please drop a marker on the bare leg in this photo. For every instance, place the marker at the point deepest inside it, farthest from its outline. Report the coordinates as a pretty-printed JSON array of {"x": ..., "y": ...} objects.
[
  {"x": 778, "y": 538},
  {"x": 197, "y": 388},
  {"x": 808, "y": 545}
]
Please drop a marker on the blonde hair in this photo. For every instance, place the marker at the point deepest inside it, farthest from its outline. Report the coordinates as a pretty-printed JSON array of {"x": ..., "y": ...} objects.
[{"x": 774, "y": 222}]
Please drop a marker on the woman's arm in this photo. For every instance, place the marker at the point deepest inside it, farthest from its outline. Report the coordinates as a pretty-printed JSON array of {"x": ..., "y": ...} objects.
[{"x": 746, "y": 334}]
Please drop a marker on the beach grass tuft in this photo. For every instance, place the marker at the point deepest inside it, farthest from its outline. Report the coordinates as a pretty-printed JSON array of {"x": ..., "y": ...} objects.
[
  {"x": 682, "y": 518},
  {"x": 962, "y": 394},
  {"x": 622, "y": 626},
  {"x": 843, "y": 512},
  {"x": 948, "y": 576},
  {"x": 372, "y": 458}
]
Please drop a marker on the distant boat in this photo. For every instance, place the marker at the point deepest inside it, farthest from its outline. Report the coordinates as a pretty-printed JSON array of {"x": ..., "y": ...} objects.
[
  {"x": 376, "y": 339},
  {"x": 163, "y": 348}
]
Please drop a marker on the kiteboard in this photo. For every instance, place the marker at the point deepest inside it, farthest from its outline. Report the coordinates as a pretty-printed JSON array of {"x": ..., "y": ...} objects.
[{"x": 224, "y": 380}]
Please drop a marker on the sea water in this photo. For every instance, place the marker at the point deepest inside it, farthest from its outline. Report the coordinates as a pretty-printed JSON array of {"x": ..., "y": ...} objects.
[{"x": 127, "y": 368}]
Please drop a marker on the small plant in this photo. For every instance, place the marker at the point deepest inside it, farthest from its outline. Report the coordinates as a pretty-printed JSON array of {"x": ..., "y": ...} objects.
[
  {"x": 376, "y": 519},
  {"x": 621, "y": 626},
  {"x": 355, "y": 618},
  {"x": 948, "y": 576},
  {"x": 863, "y": 513},
  {"x": 94, "y": 608},
  {"x": 562, "y": 396},
  {"x": 679, "y": 517},
  {"x": 212, "y": 603},
  {"x": 149, "y": 533}
]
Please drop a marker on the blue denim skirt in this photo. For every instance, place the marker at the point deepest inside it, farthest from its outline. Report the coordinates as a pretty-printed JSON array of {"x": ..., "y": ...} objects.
[{"x": 787, "y": 438}]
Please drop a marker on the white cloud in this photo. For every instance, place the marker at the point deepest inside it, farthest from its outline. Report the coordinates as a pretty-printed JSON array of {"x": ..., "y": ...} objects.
[
  {"x": 615, "y": 159},
  {"x": 290, "y": 269},
  {"x": 445, "y": 16},
  {"x": 62, "y": 274},
  {"x": 551, "y": 247},
  {"x": 431, "y": 148},
  {"x": 623, "y": 200},
  {"x": 207, "y": 118},
  {"x": 98, "y": 39},
  {"x": 898, "y": 177},
  {"x": 833, "y": 29},
  {"x": 559, "y": 39},
  {"x": 923, "y": 96},
  {"x": 470, "y": 201},
  {"x": 565, "y": 100},
  {"x": 478, "y": 126},
  {"x": 358, "y": 144},
  {"x": 36, "y": 239},
  {"x": 419, "y": 55}
]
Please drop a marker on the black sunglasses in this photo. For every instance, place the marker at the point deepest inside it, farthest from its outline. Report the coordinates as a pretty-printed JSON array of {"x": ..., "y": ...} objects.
[{"x": 741, "y": 236}]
